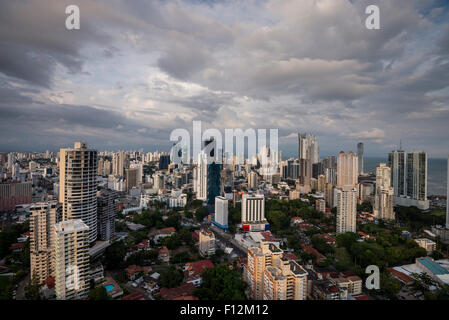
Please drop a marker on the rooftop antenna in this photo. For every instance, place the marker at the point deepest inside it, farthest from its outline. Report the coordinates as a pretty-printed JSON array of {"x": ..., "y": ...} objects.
[{"x": 400, "y": 144}]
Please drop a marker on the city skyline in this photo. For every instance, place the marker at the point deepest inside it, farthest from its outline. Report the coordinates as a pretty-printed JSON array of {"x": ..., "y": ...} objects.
[{"x": 136, "y": 71}]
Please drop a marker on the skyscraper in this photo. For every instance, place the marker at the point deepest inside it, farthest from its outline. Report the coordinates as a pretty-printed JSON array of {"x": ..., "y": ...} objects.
[
  {"x": 42, "y": 223},
  {"x": 78, "y": 186},
  {"x": 131, "y": 178},
  {"x": 164, "y": 161},
  {"x": 409, "y": 178},
  {"x": 360, "y": 150},
  {"x": 308, "y": 148},
  {"x": 308, "y": 154},
  {"x": 209, "y": 174},
  {"x": 347, "y": 169},
  {"x": 221, "y": 212},
  {"x": 107, "y": 211},
  {"x": 72, "y": 270},
  {"x": 252, "y": 180},
  {"x": 346, "y": 192},
  {"x": 384, "y": 194},
  {"x": 346, "y": 198},
  {"x": 417, "y": 175},
  {"x": 397, "y": 161},
  {"x": 118, "y": 163}
]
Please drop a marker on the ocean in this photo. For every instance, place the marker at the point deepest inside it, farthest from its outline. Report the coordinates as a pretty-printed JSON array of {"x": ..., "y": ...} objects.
[{"x": 436, "y": 173}]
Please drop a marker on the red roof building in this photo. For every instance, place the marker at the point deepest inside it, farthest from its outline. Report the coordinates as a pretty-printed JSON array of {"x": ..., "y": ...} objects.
[
  {"x": 401, "y": 276},
  {"x": 132, "y": 270},
  {"x": 17, "y": 247},
  {"x": 193, "y": 270},
  {"x": 134, "y": 296},
  {"x": 311, "y": 250},
  {"x": 184, "y": 290}
]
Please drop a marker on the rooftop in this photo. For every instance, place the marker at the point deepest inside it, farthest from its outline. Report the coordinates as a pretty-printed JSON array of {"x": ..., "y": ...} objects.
[
  {"x": 432, "y": 266},
  {"x": 71, "y": 226}
]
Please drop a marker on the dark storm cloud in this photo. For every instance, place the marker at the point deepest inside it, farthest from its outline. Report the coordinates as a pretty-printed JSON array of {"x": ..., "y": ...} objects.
[
  {"x": 294, "y": 65},
  {"x": 34, "y": 40}
]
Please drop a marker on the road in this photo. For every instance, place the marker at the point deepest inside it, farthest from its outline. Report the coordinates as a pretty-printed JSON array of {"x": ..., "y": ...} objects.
[{"x": 229, "y": 241}]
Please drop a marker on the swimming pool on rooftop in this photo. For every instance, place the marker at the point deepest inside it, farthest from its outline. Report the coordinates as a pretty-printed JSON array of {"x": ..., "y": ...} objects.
[{"x": 109, "y": 287}]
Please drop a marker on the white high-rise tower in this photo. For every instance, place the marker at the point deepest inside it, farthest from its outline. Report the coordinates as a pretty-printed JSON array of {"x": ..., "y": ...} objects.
[
  {"x": 384, "y": 195},
  {"x": 72, "y": 267},
  {"x": 78, "y": 186},
  {"x": 346, "y": 192}
]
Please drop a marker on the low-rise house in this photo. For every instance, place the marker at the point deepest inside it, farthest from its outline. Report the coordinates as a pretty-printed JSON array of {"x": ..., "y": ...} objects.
[
  {"x": 157, "y": 235},
  {"x": 164, "y": 254},
  {"x": 17, "y": 247},
  {"x": 192, "y": 271},
  {"x": 296, "y": 220},
  {"x": 326, "y": 237},
  {"x": 327, "y": 290},
  {"x": 144, "y": 245},
  {"x": 319, "y": 258},
  {"x": 427, "y": 244},
  {"x": 133, "y": 270}
]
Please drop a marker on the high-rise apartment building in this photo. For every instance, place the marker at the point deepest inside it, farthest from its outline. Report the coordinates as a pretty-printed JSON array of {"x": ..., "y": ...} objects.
[
  {"x": 43, "y": 217},
  {"x": 397, "y": 161},
  {"x": 286, "y": 281},
  {"x": 221, "y": 212},
  {"x": 308, "y": 148},
  {"x": 347, "y": 169},
  {"x": 131, "y": 178},
  {"x": 118, "y": 163},
  {"x": 253, "y": 212},
  {"x": 139, "y": 167},
  {"x": 15, "y": 193},
  {"x": 384, "y": 194},
  {"x": 72, "y": 270},
  {"x": 271, "y": 276},
  {"x": 321, "y": 183},
  {"x": 346, "y": 199},
  {"x": 409, "y": 178},
  {"x": 308, "y": 154},
  {"x": 78, "y": 186},
  {"x": 360, "y": 155},
  {"x": 417, "y": 176},
  {"x": 164, "y": 161},
  {"x": 107, "y": 211},
  {"x": 206, "y": 243},
  {"x": 252, "y": 180},
  {"x": 345, "y": 195}
]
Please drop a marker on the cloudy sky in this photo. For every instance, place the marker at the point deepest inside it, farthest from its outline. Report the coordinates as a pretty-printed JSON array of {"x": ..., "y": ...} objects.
[{"x": 136, "y": 70}]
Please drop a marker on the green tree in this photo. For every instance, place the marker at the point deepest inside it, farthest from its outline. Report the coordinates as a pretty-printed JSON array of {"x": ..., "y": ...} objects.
[
  {"x": 389, "y": 286},
  {"x": 98, "y": 293},
  {"x": 221, "y": 283},
  {"x": 32, "y": 290},
  {"x": 346, "y": 240},
  {"x": 171, "y": 277},
  {"x": 6, "y": 288}
]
